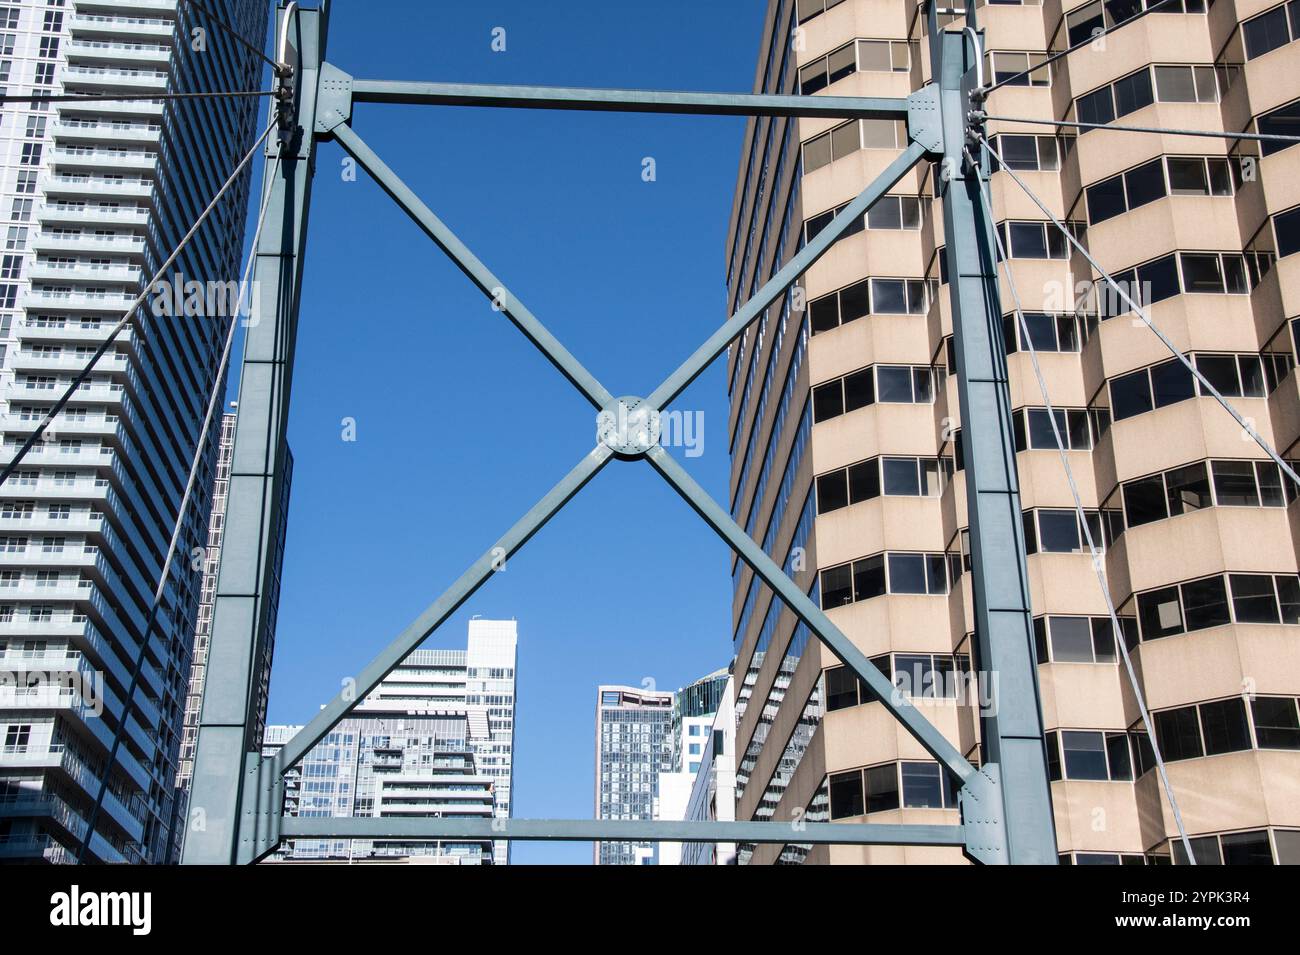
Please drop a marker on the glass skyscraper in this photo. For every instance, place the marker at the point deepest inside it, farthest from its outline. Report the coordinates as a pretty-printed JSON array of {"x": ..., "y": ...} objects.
[{"x": 94, "y": 198}]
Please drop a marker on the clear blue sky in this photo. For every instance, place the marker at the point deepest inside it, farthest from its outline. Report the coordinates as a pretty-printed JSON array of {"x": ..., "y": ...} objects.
[{"x": 461, "y": 424}]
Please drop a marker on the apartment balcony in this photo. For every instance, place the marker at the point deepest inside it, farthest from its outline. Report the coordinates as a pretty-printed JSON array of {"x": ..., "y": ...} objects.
[
  {"x": 120, "y": 25},
  {"x": 114, "y": 78},
  {"x": 135, "y": 107},
  {"x": 104, "y": 132},
  {"x": 117, "y": 51},
  {"x": 24, "y": 360},
  {"x": 85, "y": 242},
  {"x": 115, "y": 160},
  {"x": 155, "y": 8},
  {"x": 70, "y": 185},
  {"x": 115, "y": 302},
  {"x": 72, "y": 331},
  {"x": 99, "y": 392},
  {"x": 78, "y": 522},
  {"x": 59, "y": 757},
  {"x": 84, "y": 271},
  {"x": 53, "y": 809},
  {"x": 48, "y": 489},
  {"x": 34, "y": 848}
]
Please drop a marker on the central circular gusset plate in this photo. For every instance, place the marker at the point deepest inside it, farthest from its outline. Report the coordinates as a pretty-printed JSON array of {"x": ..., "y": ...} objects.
[{"x": 629, "y": 427}]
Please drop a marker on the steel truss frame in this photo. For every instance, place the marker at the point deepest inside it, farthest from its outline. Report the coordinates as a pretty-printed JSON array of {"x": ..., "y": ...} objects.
[{"x": 236, "y": 802}]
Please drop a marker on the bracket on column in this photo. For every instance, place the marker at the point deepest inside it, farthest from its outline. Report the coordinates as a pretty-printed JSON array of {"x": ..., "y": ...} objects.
[
  {"x": 982, "y": 818},
  {"x": 334, "y": 99},
  {"x": 924, "y": 118}
]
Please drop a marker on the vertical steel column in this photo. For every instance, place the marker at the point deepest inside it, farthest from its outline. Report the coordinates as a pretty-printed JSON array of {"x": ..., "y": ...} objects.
[
  {"x": 232, "y": 799},
  {"x": 1011, "y": 725}
]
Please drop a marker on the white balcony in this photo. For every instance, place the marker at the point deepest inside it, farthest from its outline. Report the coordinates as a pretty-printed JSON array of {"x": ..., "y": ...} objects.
[
  {"x": 97, "y": 186},
  {"x": 77, "y": 132},
  {"x": 84, "y": 272},
  {"x": 71, "y": 331},
  {"x": 117, "y": 51},
  {"x": 143, "y": 80},
  {"x": 87, "y": 242},
  {"x": 115, "y": 160},
  {"x": 78, "y": 301},
  {"x": 123, "y": 24}
]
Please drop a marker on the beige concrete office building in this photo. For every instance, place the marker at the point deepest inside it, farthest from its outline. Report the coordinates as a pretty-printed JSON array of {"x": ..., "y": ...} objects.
[{"x": 845, "y": 428}]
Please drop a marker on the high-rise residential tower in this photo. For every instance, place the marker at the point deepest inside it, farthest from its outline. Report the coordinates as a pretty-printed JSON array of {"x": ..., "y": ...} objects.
[
  {"x": 94, "y": 197},
  {"x": 436, "y": 736},
  {"x": 846, "y": 430},
  {"x": 634, "y": 745}
]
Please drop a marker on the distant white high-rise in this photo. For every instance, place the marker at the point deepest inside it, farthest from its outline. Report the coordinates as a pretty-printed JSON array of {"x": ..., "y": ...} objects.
[{"x": 436, "y": 736}]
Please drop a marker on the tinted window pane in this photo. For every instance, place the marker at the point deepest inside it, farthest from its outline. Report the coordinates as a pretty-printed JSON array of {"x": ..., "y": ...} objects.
[
  {"x": 901, "y": 476},
  {"x": 837, "y": 586},
  {"x": 1284, "y": 121},
  {"x": 1175, "y": 84},
  {"x": 1253, "y": 599},
  {"x": 868, "y": 578},
  {"x": 1097, "y": 107},
  {"x": 885, "y": 214},
  {"x": 1159, "y": 613},
  {"x": 1041, "y": 434},
  {"x": 1158, "y": 280},
  {"x": 1265, "y": 33},
  {"x": 1058, "y": 532},
  {"x": 1145, "y": 184},
  {"x": 1287, "y": 227},
  {"x": 1178, "y": 733},
  {"x": 1247, "y": 848},
  {"x": 1171, "y": 382},
  {"x": 854, "y": 302},
  {"x": 1145, "y": 501},
  {"x": 828, "y": 400},
  {"x": 1028, "y": 240},
  {"x": 1129, "y": 395},
  {"x": 864, "y": 481},
  {"x": 824, "y": 314},
  {"x": 1288, "y": 591},
  {"x": 1019, "y": 152},
  {"x": 889, "y": 297},
  {"x": 1106, "y": 199},
  {"x": 1103, "y": 640},
  {"x": 1221, "y": 372},
  {"x": 895, "y": 383},
  {"x": 1187, "y": 177},
  {"x": 858, "y": 390},
  {"x": 882, "y": 788},
  {"x": 1134, "y": 92},
  {"x": 1189, "y": 489},
  {"x": 832, "y": 491},
  {"x": 846, "y": 795},
  {"x": 1277, "y": 725},
  {"x": 1205, "y": 603},
  {"x": 1234, "y": 484},
  {"x": 921, "y": 789},
  {"x": 1117, "y": 756},
  {"x": 841, "y": 688},
  {"x": 1071, "y": 640},
  {"x": 1224, "y": 725},
  {"x": 1202, "y": 273},
  {"x": 907, "y": 574},
  {"x": 1085, "y": 755}
]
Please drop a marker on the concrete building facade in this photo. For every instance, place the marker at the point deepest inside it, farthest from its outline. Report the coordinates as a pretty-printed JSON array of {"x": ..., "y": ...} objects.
[
  {"x": 94, "y": 196},
  {"x": 845, "y": 428}
]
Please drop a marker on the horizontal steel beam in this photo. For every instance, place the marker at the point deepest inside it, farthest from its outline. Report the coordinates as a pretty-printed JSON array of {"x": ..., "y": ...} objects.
[
  {"x": 619, "y": 830},
  {"x": 627, "y": 101}
]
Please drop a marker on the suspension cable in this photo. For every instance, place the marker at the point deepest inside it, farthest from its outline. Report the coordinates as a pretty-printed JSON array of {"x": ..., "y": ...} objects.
[
  {"x": 1213, "y": 134},
  {"x": 121, "y": 97},
  {"x": 279, "y": 68},
  {"x": 1092, "y": 38},
  {"x": 127, "y": 318},
  {"x": 214, "y": 399},
  {"x": 1082, "y": 517},
  {"x": 1141, "y": 313}
]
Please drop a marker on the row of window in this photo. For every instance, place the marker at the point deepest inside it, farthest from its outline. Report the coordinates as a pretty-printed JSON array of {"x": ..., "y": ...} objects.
[
  {"x": 1272, "y": 29},
  {"x": 888, "y": 213},
  {"x": 1029, "y": 153},
  {"x": 902, "y": 384},
  {"x": 888, "y": 573},
  {"x": 1036, "y": 240},
  {"x": 858, "y": 56},
  {"x": 930, "y": 676},
  {"x": 850, "y": 137},
  {"x": 1169, "y": 382},
  {"x": 1060, "y": 639},
  {"x": 1163, "y": 176},
  {"x": 1217, "y": 601},
  {"x": 1192, "y": 487},
  {"x": 902, "y": 476},
  {"x": 1091, "y": 18},
  {"x": 1080, "y": 428},
  {"x": 1223, "y": 726},
  {"x": 870, "y": 296},
  {"x": 1059, "y": 531},
  {"x": 1048, "y": 332},
  {"x": 902, "y": 785},
  {"x": 1151, "y": 84}
]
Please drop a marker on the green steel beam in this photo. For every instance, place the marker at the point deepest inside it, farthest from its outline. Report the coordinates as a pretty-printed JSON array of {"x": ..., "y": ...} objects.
[
  {"x": 627, "y": 101},
  {"x": 618, "y": 830},
  {"x": 752, "y": 554},
  {"x": 229, "y": 800},
  {"x": 1011, "y": 720}
]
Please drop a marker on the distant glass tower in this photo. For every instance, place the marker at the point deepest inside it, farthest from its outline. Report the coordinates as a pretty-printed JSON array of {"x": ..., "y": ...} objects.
[
  {"x": 634, "y": 745},
  {"x": 436, "y": 737},
  {"x": 94, "y": 197}
]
